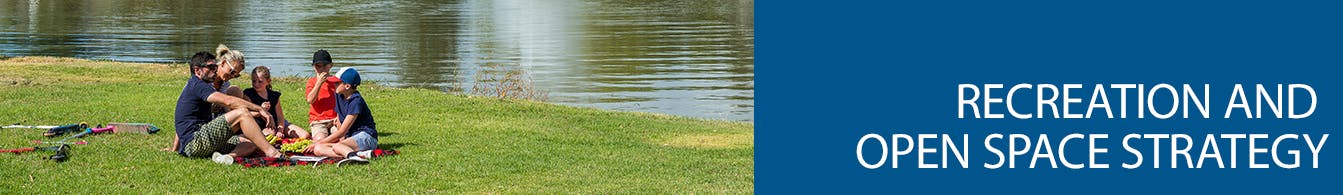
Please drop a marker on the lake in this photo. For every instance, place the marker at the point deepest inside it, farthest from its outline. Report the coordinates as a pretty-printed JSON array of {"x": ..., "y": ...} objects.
[{"x": 691, "y": 58}]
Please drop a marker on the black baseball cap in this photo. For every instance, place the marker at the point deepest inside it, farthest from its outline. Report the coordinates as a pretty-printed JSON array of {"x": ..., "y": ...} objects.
[{"x": 321, "y": 57}]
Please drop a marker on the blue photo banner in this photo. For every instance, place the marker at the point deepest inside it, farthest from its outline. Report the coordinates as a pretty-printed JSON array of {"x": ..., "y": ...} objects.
[{"x": 1057, "y": 97}]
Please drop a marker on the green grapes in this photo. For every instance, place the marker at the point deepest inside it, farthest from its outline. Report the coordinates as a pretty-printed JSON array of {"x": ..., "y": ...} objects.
[{"x": 296, "y": 146}]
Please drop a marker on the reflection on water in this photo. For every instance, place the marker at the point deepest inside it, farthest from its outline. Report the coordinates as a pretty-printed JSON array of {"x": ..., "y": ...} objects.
[{"x": 692, "y": 58}]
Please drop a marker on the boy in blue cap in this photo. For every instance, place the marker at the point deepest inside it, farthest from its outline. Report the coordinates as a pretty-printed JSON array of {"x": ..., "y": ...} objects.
[{"x": 355, "y": 134}]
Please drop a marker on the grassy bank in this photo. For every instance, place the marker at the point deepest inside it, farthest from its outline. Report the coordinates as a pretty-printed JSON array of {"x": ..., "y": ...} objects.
[{"x": 449, "y": 143}]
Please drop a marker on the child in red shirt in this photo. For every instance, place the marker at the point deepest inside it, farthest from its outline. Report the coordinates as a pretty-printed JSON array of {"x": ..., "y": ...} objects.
[{"x": 322, "y": 113}]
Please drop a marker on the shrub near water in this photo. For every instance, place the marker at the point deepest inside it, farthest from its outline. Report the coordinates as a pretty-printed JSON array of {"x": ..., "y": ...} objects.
[{"x": 450, "y": 143}]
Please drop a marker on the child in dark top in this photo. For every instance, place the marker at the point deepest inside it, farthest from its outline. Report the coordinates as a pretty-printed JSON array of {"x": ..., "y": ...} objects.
[
  {"x": 355, "y": 135},
  {"x": 261, "y": 94}
]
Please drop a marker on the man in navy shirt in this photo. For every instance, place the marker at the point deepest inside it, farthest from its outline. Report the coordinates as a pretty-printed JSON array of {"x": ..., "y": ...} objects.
[
  {"x": 199, "y": 132},
  {"x": 355, "y": 134}
]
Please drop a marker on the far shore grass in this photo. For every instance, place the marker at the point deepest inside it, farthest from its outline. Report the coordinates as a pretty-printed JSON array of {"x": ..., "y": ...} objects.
[{"x": 450, "y": 143}]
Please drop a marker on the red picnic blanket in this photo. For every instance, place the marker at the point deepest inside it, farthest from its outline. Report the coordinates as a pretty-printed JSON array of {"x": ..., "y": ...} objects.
[{"x": 300, "y": 159}]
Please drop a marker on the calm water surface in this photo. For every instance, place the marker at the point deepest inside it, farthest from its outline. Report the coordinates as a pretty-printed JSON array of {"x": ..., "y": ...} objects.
[{"x": 691, "y": 58}]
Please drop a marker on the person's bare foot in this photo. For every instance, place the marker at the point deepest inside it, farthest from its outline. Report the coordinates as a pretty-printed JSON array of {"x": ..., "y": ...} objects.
[{"x": 275, "y": 154}]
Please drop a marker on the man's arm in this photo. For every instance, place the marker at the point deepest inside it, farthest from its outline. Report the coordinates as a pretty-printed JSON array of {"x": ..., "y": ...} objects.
[
  {"x": 235, "y": 91},
  {"x": 233, "y": 102},
  {"x": 174, "y": 146}
]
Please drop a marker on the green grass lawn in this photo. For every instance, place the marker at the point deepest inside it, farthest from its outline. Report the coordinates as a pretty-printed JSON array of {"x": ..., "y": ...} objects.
[{"x": 449, "y": 143}]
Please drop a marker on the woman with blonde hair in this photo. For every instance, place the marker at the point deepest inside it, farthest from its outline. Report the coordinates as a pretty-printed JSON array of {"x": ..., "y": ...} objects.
[
  {"x": 231, "y": 65},
  {"x": 231, "y": 59}
]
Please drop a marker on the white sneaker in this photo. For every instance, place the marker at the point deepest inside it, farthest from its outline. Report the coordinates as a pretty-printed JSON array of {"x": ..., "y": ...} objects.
[
  {"x": 366, "y": 154},
  {"x": 355, "y": 159},
  {"x": 222, "y": 158}
]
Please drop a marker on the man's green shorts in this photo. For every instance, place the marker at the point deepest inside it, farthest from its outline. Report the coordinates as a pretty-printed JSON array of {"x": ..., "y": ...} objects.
[{"x": 211, "y": 137}]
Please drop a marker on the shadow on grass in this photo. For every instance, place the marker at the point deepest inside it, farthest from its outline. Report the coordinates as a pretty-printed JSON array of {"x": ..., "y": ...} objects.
[
  {"x": 385, "y": 134},
  {"x": 394, "y": 146}
]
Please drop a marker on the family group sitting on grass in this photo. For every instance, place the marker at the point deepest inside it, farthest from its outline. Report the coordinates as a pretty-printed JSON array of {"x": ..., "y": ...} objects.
[{"x": 217, "y": 120}]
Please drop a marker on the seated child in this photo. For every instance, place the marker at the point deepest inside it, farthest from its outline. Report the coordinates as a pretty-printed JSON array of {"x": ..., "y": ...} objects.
[
  {"x": 320, "y": 91},
  {"x": 261, "y": 94},
  {"x": 355, "y": 134}
]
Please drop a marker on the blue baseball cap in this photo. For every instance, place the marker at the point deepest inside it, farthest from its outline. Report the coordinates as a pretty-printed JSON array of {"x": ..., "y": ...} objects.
[{"x": 348, "y": 75}]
